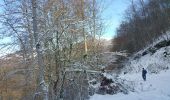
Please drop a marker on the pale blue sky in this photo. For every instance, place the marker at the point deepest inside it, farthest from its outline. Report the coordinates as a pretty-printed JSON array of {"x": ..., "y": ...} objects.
[{"x": 113, "y": 15}]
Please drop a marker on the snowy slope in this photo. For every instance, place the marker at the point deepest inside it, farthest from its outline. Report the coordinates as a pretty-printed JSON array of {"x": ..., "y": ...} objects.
[
  {"x": 155, "y": 88},
  {"x": 152, "y": 62}
]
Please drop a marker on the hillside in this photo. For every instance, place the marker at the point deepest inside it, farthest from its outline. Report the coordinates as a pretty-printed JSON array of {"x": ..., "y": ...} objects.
[{"x": 157, "y": 63}]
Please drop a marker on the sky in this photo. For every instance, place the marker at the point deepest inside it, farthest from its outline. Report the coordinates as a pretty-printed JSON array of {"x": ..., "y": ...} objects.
[{"x": 113, "y": 15}]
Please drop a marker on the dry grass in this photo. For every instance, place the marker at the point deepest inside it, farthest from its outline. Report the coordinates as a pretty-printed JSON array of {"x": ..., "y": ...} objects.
[{"x": 13, "y": 86}]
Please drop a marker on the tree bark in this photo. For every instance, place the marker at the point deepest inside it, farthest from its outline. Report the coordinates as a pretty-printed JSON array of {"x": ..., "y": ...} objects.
[{"x": 41, "y": 82}]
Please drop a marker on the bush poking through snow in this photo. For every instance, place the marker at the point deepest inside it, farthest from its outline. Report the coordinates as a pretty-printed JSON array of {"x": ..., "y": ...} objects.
[
  {"x": 156, "y": 68},
  {"x": 108, "y": 86}
]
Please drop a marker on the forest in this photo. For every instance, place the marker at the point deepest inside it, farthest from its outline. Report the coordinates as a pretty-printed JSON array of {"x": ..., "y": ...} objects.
[{"x": 143, "y": 23}]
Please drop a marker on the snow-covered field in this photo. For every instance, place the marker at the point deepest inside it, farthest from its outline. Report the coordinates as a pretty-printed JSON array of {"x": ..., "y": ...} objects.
[{"x": 157, "y": 87}]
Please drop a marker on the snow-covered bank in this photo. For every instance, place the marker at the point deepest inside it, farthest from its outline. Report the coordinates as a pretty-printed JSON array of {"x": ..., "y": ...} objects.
[
  {"x": 155, "y": 88},
  {"x": 153, "y": 62},
  {"x": 156, "y": 60}
]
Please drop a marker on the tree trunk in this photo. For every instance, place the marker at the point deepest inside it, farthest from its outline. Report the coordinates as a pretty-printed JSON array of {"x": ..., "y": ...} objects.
[{"x": 41, "y": 82}]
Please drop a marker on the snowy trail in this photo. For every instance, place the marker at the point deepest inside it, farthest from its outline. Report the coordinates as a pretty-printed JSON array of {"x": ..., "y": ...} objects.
[{"x": 157, "y": 87}]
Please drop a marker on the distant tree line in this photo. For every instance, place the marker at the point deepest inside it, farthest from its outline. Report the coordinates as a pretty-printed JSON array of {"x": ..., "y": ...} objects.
[{"x": 144, "y": 22}]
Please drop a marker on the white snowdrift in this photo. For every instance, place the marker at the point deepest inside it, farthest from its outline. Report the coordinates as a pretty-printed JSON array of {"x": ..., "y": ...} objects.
[{"x": 155, "y": 88}]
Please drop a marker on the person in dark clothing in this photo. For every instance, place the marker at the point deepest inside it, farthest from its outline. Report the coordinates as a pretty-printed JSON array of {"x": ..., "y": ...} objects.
[{"x": 144, "y": 72}]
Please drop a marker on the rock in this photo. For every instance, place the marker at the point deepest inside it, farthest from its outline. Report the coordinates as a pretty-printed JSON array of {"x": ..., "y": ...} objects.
[
  {"x": 106, "y": 81},
  {"x": 144, "y": 53},
  {"x": 161, "y": 44}
]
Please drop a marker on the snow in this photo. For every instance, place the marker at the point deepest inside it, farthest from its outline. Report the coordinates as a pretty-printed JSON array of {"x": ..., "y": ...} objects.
[
  {"x": 156, "y": 60},
  {"x": 81, "y": 70},
  {"x": 109, "y": 76},
  {"x": 155, "y": 88}
]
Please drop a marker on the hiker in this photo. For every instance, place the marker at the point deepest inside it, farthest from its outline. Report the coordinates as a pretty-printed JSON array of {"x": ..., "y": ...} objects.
[{"x": 144, "y": 72}]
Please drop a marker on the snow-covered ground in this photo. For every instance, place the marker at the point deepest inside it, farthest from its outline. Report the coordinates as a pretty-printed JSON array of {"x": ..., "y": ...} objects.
[
  {"x": 157, "y": 87},
  {"x": 152, "y": 62}
]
